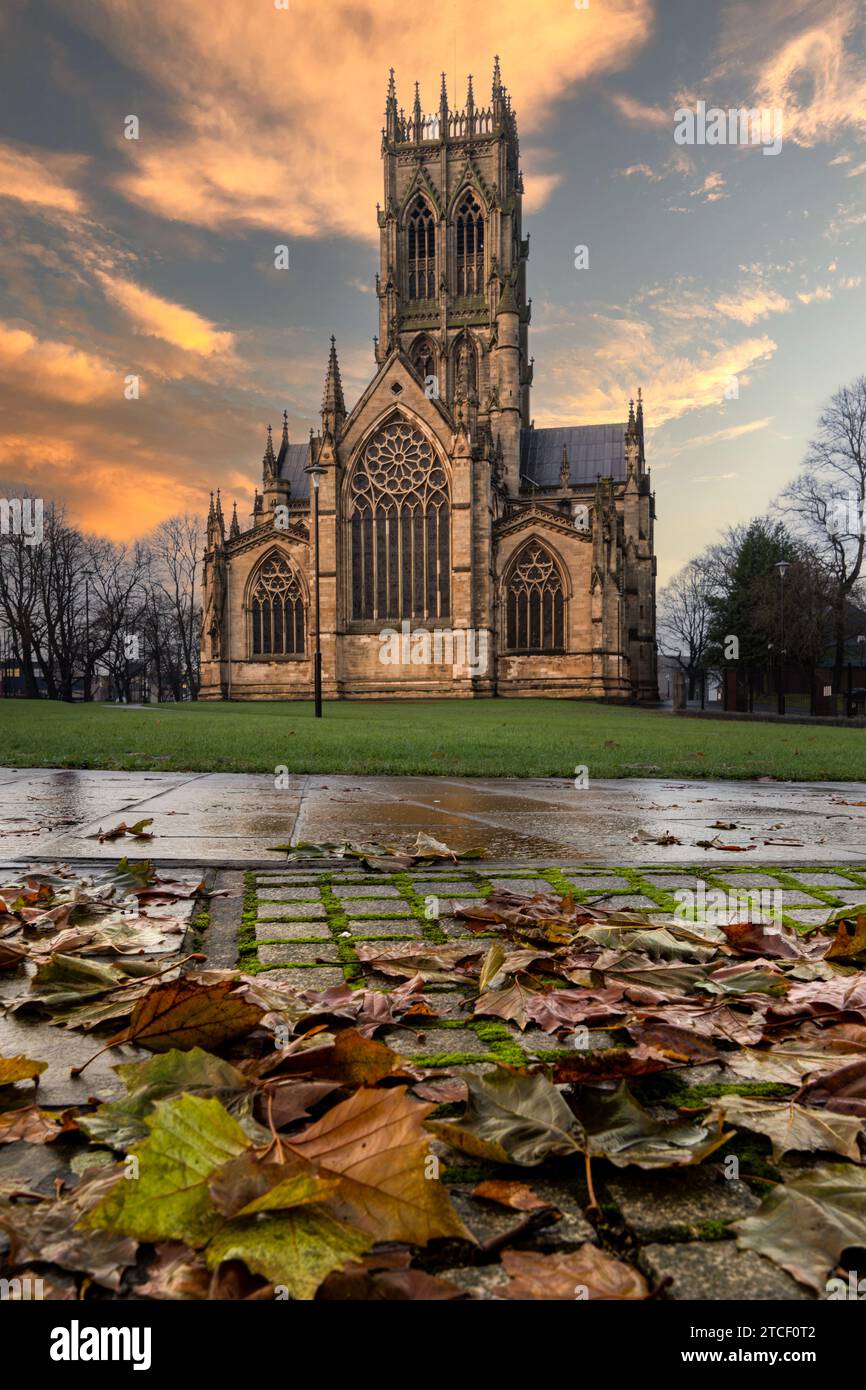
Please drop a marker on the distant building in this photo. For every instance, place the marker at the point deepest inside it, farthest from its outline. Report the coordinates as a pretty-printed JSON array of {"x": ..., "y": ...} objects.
[{"x": 506, "y": 559}]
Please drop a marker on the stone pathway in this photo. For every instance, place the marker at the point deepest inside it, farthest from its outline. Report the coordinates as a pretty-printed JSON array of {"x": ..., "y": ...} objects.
[
  {"x": 234, "y": 818},
  {"x": 303, "y": 926}
]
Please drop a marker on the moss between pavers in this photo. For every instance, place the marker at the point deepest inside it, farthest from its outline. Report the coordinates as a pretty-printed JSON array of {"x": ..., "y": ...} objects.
[
  {"x": 429, "y": 926},
  {"x": 199, "y": 923},
  {"x": 248, "y": 957},
  {"x": 633, "y": 882},
  {"x": 669, "y": 1089},
  {"x": 452, "y": 1059},
  {"x": 338, "y": 923}
]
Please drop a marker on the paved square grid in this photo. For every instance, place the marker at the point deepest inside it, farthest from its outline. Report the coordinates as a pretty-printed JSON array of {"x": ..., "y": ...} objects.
[{"x": 305, "y": 925}]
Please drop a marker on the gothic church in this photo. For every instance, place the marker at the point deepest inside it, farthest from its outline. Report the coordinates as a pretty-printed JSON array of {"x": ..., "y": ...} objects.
[{"x": 441, "y": 506}]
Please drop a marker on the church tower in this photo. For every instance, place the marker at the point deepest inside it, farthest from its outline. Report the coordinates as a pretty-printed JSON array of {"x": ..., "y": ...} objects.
[
  {"x": 452, "y": 278},
  {"x": 429, "y": 541}
]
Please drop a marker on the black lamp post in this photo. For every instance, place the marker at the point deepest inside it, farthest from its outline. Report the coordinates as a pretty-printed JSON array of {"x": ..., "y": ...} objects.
[
  {"x": 316, "y": 473},
  {"x": 782, "y": 566}
]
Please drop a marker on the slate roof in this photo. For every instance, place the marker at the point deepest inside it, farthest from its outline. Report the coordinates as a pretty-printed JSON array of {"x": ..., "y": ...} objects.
[
  {"x": 592, "y": 449},
  {"x": 296, "y": 459}
]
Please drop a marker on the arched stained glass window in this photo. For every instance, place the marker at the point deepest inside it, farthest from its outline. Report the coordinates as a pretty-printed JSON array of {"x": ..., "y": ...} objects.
[
  {"x": 469, "y": 230},
  {"x": 421, "y": 251},
  {"x": 277, "y": 613},
  {"x": 535, "y": 620},
  {"x": 400, "y": 520}
]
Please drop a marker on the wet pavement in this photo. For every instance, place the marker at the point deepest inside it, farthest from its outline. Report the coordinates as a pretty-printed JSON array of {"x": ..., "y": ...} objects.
[{"x": 234, "y": 818}]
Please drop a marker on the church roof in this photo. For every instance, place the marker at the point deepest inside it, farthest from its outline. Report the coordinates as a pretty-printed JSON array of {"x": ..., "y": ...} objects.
[
  {"x": 592, "y": 449},
  {"x": 294, "y": 461}
]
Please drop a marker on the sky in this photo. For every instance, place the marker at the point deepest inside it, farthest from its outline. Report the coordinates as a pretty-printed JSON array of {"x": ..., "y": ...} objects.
[{"x": 727, "y": 283}]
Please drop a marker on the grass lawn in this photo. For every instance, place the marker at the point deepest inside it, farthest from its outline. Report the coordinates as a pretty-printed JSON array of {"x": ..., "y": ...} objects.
[{"x": 483, "y": 738}]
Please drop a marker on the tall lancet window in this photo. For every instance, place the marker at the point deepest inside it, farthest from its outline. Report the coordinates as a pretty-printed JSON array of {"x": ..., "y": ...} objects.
[
  {"x": 277, "y": 610},
  {"x": 400, "y": 522},
  {"x": 424, "y": 362},
  {"x": 421, "y": 251},
  {"x": 535, "y": 603},
  {"x": 469, "y": 227}
]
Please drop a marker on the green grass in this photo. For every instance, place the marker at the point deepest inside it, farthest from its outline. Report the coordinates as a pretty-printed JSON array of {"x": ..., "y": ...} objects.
[{"x": 492, "y": 738}]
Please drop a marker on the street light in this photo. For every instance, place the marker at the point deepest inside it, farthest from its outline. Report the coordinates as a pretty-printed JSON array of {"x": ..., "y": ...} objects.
[
  {"x": 782, "y": 566},
  {"x": 316, "y": 473}
]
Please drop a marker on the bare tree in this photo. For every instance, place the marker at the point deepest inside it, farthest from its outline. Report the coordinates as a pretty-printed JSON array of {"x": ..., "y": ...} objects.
[
  {"x": 684, "y": 617},
  {"x": 175, "y": 549},
  {"x": 20, "y": 605},
  {"x": 827, "y": 500}
]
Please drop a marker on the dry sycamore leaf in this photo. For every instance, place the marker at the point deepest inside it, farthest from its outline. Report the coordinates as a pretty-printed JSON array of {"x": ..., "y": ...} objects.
[
  {"x": 184, "y": 1013},
  {"x": 512, "y": 1118},
  {"x": 190, "y": 1139},
  {"x": 138, "y": 831},
  {"x": 850, "y": 939},
  {"x": 246, "y": 1185},
  {"x": 19, "y": 1069},
  {"x": 296, "y": 1249},
  {"x": 518, "y": 1196},
  {"x": 376, "y": 1143},
  {"x": 351, "y": 1060},
  {"x": 11, "y": 954},
  {"x": 579, "y": 1274},
  {"x": 804, "y": 1226},
  {"x": 50, "y": 1232},
  {"x": 29, "y": 1123},
  {"x": 793, "y": 1128}
]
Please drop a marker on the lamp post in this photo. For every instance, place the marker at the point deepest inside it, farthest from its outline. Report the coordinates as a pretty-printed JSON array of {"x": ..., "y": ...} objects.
[
  {"x": 85, "y": 690},
  {"x": 316, "y": 473},
  {"x": 782, "y": 566}
]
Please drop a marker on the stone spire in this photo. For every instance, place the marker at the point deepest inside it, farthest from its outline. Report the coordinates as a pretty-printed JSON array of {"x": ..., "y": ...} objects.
[
  {"x": 213, "y": 530},
  {"x": 640, "y": 423},
  {"x": 234, "y": 529},
  {"x": 416, "y": 114},
  {"x": 333, "y": 404},
  {"x": 269, "y": 462},
  {"x": 497, "y": 79},
  {"x": 391, "y": 109},
  {"x": 632, "y": 443},
  {"x": 564, "y": 468},
  {"x": 284, "y": 443}
]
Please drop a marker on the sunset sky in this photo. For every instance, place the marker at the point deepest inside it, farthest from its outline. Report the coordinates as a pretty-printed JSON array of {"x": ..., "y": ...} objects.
[{"x": 261, "y": 126}]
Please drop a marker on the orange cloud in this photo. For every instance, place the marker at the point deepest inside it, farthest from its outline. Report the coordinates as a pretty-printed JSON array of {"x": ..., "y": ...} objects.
[
  {"x": 621, "y": 354},
  {"x": 82, "y": 472},
  {"x": 40, "y": 179},
  {"x": 160, "y": 318},
  {"x": 750, "y": 304},
  {"x": 55, "y": 370},
  {"x": 276, "y": 112}
]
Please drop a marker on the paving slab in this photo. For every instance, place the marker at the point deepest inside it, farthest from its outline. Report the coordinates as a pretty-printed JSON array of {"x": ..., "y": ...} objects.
[
  {"x": 717, "y": 1271},
  {"x": 679, "y": 1205},
  {"x": 228, "y": 818}
]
